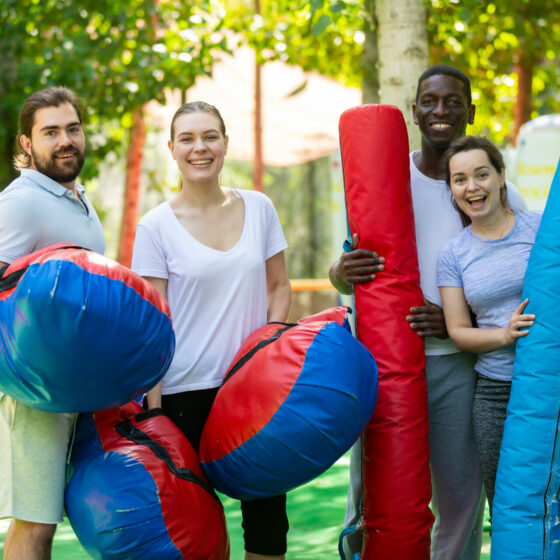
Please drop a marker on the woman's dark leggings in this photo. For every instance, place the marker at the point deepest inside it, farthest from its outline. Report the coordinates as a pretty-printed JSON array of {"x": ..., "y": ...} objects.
[
  {"x": 491, "y": 398},
  {"x": 265, "y": 523}
]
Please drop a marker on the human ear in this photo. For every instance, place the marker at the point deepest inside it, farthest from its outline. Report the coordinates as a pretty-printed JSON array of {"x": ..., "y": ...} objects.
[
  {"x": 414, "y": 113},
  {"x": 472, "y": 111},
  {"x": 170, "y": 146},
  {"x": 25, "y": 143}
]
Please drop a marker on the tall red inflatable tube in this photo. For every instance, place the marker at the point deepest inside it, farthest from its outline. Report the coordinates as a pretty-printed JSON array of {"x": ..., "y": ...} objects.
[{"x": 395, "y": 452}]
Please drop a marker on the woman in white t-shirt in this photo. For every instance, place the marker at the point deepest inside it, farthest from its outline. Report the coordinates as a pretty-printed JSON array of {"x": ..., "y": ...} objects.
[
  {"x": 482, "y": 269},
  {"x": 217, "y": 255}
]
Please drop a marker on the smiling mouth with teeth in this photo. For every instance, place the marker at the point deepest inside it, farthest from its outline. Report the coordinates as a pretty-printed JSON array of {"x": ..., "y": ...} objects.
[
  {"x": 476, "y": 199},
  {"x": 65, "y": 155},
  {"x": 201, "y": 162}
]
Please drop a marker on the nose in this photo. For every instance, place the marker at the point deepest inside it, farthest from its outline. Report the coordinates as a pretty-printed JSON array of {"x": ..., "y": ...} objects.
[
  {"x": 64, "y": 138},
  {"x": 199, "y": 144},
  {"x": 440, "y": 108},
  {"x": 471, "y": 184}
]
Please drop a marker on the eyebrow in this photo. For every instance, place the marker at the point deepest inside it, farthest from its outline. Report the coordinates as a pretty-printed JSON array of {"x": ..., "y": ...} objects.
[
  {"x": 56, "y": 127},
  {"x": 204, "y": 132},
  {"x": 476, "y": 169}
]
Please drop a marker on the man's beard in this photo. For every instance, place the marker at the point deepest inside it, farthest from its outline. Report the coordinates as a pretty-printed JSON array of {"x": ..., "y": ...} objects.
[{"x": 57, "y": 169}]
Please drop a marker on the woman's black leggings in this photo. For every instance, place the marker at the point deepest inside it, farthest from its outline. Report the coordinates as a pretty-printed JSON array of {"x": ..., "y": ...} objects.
[{"x": 265, "y": 523}]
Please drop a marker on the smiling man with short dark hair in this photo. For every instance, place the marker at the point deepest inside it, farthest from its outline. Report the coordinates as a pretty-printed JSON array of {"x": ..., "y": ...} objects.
[{"x": 45, "y": 205}]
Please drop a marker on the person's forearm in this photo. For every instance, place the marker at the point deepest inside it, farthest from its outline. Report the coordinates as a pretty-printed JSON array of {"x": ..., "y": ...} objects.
[
  {"x": 336, "y": 276},
  {"x": 154, "y": 397},
  {"x": 470, "y": 339},
  {"x": 279, "y": 300}
]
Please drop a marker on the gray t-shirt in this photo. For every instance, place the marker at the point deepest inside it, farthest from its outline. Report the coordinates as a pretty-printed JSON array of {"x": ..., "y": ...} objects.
[
  {"x": 36, "y": 211},
  {"x": 491, "y": 273}
]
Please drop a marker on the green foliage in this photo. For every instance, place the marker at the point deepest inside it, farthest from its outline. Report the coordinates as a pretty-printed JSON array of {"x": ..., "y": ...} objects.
[
  {"x": 319, "y": 35},
  {"x": 117, "y": 55},
  {"x": 486, "y": 40}
]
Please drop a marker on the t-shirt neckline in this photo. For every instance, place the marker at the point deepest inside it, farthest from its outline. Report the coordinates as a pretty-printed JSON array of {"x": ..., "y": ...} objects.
[
  {"x": 200, "y": 243},
  {"x": 506, "y": 236}
]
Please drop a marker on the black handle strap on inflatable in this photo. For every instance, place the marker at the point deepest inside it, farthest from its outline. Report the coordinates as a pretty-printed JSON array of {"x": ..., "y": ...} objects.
[
  {"x": 129, "y": 431},
  {"x": 11, "y": 281},
  {"x": 246, "y": 357}
]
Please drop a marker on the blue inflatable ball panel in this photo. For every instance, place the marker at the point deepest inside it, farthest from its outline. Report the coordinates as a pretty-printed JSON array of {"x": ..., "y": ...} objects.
[
  {"x": 74, "y": 340},
  {"x": 137, "y": 491},
  {"x": 329, "y": 401}
]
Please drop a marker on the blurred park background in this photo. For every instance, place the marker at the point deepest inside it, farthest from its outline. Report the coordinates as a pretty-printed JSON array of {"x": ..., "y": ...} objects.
[{"x": 281, "y": 72}]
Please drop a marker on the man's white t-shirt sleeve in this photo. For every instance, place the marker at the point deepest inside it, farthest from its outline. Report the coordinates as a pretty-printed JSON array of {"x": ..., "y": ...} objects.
[
  {"x": 515, "y": 198},
  {"x": 18, "y": 236},
  {"x": 148, "y": 258}
]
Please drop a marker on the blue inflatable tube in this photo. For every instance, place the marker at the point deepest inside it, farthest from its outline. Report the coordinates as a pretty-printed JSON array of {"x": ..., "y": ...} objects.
[{"x": 526, "y": 523}]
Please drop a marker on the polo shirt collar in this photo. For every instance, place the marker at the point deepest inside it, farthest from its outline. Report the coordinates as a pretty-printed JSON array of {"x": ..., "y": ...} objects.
[{"x": 49, "y": 184}]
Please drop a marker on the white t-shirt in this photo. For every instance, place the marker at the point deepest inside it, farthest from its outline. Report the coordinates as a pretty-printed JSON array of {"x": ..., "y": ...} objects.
[
  {"x": 436, "y": 222},
  {"x": 217, "y": 298}
]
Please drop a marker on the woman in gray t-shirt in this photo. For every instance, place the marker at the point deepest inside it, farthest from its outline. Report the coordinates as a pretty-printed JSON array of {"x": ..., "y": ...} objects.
[{"x": 482, "y": 270}]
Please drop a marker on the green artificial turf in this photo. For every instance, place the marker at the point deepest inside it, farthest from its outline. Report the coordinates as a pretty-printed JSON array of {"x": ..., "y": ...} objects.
[{"x": 315, "y": 510}]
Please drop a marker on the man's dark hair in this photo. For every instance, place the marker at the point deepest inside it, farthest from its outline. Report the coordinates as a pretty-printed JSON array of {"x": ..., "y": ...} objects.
[
  {"x": 446, "y": 70},
  {"x": 50, "y": 97}
]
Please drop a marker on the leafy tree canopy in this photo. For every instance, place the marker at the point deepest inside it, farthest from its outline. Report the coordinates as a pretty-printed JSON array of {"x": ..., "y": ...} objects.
[
  {"x": 485, "y": 39},
  {"x": 488, "y": 39},
  {"x": 320, "y": 35},
  {"x": 117, "y": 55}
]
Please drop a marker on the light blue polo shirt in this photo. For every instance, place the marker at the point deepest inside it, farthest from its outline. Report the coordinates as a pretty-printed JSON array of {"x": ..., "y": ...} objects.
[{"x": 36, "y": 211}]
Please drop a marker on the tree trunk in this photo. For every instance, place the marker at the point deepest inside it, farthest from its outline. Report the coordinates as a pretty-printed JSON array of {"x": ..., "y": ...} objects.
[
  {"x": 523, "y": 104},
  {"x": 403, "y": 55},
  {"x": 370, "y": 80},
  {"x": 258, "y": 165},
  {"x": 132, "y": 187}
]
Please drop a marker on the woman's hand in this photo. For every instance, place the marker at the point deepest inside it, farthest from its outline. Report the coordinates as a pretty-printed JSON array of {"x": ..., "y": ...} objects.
[
  {"x": 518, "y": 320},
  {"x": 469, "y": 338}
]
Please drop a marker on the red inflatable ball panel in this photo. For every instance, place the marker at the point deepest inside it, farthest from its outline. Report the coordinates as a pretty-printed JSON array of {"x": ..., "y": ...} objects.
[
  {"x": 137, "y": 490},
  {"x": 90, "y": 261}
]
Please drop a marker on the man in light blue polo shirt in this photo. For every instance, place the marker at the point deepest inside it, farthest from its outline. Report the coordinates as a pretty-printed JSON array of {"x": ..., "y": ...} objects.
[{"x": 45, "y": 205}]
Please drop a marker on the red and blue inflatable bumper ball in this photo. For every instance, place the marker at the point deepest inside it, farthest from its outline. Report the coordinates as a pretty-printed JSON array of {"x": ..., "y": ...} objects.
[
  {"x": 137, "y": 490},
  {"x": 295, "y": 399},
  {"x": 79, "y": 331}
]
